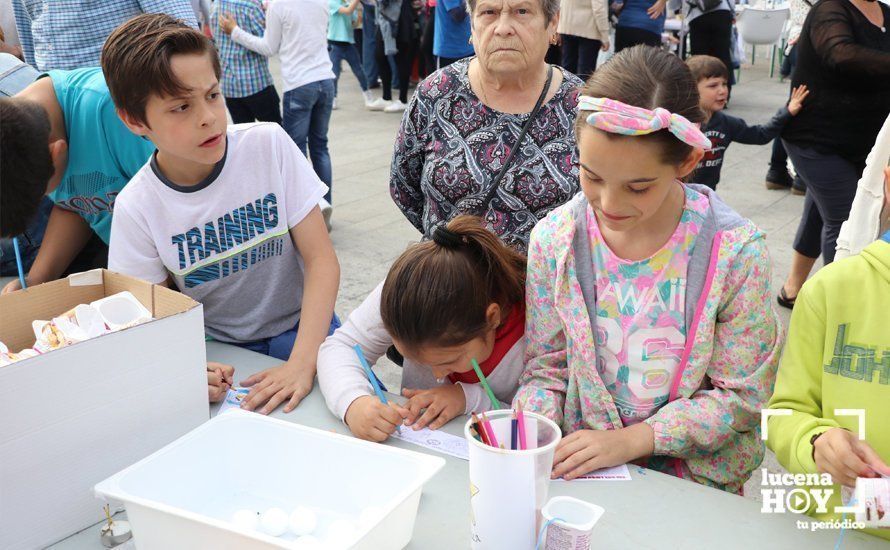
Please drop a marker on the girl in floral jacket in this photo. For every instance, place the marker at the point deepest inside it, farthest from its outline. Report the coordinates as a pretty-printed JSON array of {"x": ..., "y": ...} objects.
[{"x": 650, "y": 331}]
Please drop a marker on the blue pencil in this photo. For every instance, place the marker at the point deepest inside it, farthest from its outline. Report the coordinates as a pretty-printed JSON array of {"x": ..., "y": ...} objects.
[
  {"x": 514, "y": 431},
  {"x": 18, "y": 262},
  {"x": 372, "y": 378}
]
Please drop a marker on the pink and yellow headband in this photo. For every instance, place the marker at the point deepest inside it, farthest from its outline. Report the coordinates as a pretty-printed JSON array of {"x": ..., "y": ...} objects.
[{"x": 619, "y": 118}]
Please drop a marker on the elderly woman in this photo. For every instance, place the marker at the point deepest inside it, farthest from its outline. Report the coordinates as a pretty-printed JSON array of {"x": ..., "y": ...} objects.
[{"x": 492, "y": 135}]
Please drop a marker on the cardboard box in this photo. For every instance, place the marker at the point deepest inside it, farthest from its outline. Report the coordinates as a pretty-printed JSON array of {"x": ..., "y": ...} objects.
[{"x": 74, "y": 416}]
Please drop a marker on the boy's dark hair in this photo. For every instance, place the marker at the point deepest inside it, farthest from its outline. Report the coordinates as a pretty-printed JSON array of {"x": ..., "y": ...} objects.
[
  {"x": 136, "y": 60},
  {"x": 706, "y": 66},
  {"x": 438, "y": 294},
  {"x": 25, "y": 163},
  {"x": 648, "y": 77}
]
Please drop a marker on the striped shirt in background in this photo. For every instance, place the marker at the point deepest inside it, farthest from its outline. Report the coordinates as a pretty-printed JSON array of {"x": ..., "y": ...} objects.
[
  {"x": 69, "y": 34},
  {"x": 244, "y": 72}
]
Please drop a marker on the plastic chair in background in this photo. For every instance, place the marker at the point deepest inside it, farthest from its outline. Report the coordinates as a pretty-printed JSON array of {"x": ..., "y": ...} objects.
[{"x": 764, "y": 27}]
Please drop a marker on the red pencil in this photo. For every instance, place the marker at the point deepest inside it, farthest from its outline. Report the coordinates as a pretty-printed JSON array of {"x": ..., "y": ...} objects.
[
  {"x": 480, "y": 429},
  {"x": 492, "y": 439}
]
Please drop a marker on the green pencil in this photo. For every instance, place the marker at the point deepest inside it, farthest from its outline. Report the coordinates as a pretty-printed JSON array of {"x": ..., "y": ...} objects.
[{"x": 494, "y": 400}]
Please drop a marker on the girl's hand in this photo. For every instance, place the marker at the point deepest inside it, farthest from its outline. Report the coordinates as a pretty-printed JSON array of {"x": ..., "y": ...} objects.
[
  {"x": 290, "y": 381},
  {"x": 219, "y": 380},
  {"x": 587, "y": 450},
  {"x": 842, "y": 455},
  {"x": 369, "y": 419},
  {"x": 441, "y": 404},
  {"x": 227, "y": 23},
  {"x": 657, "y": 9},
  {"x": 798, "y": 95}
]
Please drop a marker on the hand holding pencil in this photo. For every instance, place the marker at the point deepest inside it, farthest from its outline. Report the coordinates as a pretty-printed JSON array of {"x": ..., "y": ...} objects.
[
  {"x": 373, "y": 418},
  {"x": 370, "y": 419}
]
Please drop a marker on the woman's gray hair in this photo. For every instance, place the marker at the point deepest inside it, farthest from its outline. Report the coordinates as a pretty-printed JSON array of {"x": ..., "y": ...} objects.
[{"x": 550, "y": 7}]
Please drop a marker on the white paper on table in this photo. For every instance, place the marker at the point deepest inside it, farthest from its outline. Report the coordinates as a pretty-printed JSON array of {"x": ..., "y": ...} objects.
[
  {"x": 436, "y": 440},
  {"x": 233, "y": 399},
  {"x": 615, "y": 473}
]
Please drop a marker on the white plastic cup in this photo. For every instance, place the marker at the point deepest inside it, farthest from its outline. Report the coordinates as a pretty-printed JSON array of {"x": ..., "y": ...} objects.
[
  {"x": 508, "y": 488},
  {"x": 122, "y": 310},
  {"x": 571, "y": 522}
]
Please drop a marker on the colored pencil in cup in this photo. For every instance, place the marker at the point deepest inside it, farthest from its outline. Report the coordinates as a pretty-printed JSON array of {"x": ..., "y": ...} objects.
[
  {"x": 495, "y": 404},
  {"x": 372, "y": 378},
  {"x": 475, "y": 434},
  {"x": 521, "y": 429},
  {"x": 480, "y": 429},
  {"x": 514, "y": 424},
  {"x": 492, "y": 439},
  {"x": 18, "y": 262}
]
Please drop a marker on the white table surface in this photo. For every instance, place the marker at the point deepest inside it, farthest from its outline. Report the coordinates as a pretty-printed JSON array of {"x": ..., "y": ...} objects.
[{"x": 653, "y": 510}]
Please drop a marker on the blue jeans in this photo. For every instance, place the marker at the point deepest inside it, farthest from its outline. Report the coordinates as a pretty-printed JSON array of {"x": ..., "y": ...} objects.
[
  {"x": 369, "y": 43},
  {"x": 344, "y": 50},
  {"x": 369, "y": 47},
  {"x": 282, "y": 345},
  {"x": 307, "y": 113},
  {"x": 831, "y": 182},
  {"x": 29, "y": 242}
]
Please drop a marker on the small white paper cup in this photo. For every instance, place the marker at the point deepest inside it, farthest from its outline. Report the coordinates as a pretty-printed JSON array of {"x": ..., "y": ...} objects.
[{"x": 571, "y": 523}]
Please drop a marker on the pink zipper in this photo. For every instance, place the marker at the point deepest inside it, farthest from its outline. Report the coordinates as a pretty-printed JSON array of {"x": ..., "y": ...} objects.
[
  {"x": 690, "y": 338},
  {"x": 702, "y": 300}
]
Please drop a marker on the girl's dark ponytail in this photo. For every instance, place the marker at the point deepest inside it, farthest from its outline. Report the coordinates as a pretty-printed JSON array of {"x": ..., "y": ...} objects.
[{"x": 438, "y": 291}]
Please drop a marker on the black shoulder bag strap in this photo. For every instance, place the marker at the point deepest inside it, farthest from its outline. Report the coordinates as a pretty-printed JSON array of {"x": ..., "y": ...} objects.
[{"x": 531, "y": 117}]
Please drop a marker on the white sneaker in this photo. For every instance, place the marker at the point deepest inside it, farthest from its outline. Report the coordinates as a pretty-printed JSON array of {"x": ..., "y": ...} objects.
[
  {"x": 378, "y": 104},
  {"x": 369, "y": 97},
  {"x": 335, "y": 106},
  {"x": 396, "y": 107},
  {"x": 326, "y": 211}
]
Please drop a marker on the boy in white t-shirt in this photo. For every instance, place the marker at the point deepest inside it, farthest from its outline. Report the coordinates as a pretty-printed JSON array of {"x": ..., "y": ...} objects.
[{"x": 228, "y": 216}]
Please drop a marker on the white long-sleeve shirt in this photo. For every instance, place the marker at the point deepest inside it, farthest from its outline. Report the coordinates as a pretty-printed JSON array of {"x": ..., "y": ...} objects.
[
  {"x": 342, "y": 379},
  {"x": 296, "y": 30}
]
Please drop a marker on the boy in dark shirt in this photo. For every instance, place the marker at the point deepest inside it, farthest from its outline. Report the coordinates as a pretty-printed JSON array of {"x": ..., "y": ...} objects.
[{"x": 723, "y": 129}]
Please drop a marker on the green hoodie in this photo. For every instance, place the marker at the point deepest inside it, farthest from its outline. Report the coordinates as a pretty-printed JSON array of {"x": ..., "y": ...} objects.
[{"x": 837, "y": 357}]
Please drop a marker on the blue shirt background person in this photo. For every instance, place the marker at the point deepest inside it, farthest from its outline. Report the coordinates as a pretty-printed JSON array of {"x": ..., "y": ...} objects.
[
  {"x": 634, "y": 15},
  {"x": 451, "y": 39},
  {"x": 68, "y": 34},
  {"x": 246, "y": 82},
  {"x": 244, "y": 72}
]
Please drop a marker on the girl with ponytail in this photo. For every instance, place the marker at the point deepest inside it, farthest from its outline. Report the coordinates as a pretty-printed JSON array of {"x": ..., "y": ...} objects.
[{"x": 445, "y": 302}]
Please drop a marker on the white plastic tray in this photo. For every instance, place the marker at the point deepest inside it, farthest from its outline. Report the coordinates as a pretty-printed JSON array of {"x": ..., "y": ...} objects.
[{"x": 184, "y": 495}]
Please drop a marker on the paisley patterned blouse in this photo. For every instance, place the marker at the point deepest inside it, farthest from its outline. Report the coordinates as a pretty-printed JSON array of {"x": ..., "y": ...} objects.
[{"x": 451, "y": 146}]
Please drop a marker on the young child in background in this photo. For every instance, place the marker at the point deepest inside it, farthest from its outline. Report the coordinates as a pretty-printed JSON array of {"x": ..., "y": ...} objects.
[
  {"x": 711, "y": 76},
  {"x": 651, "y": 335},
  {"x": 227, "y": 215},
  {"x": 341, "y": 45},
  {"x": 444, "y": 302}
]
